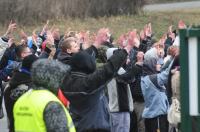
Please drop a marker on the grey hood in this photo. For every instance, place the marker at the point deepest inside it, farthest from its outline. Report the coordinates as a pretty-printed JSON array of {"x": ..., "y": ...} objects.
[
  {"x": 49, "y": 74},
  {"x": 150, "y": 61}
]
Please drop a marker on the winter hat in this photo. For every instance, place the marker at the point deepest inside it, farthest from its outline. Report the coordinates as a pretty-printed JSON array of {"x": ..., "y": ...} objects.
[
  {"x": 49, "y": 74},
  {"x": 83, "y": 62},
  {"x": 28, "y": 61}
]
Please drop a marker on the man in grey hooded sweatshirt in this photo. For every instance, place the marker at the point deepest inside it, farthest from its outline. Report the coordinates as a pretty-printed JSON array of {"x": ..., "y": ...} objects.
[{"x": 120, "y": 100}]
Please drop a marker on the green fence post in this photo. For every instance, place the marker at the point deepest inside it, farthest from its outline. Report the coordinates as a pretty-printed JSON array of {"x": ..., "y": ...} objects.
[{"x": 190, "y": 78}]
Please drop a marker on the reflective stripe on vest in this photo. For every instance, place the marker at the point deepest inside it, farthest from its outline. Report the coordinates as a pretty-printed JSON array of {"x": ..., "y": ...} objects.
[{"x": 29, "y": 108}]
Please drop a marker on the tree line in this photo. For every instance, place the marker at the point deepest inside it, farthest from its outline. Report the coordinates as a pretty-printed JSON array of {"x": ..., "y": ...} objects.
[{"x": 25, "y": 11}]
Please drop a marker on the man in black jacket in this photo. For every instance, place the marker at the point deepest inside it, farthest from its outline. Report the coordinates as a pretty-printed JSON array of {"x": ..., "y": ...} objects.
[{"x": 85, "y": 90}]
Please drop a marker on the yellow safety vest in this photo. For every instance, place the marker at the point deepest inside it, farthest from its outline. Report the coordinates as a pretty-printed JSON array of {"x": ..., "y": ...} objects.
[{"x": 29, "y": 108}]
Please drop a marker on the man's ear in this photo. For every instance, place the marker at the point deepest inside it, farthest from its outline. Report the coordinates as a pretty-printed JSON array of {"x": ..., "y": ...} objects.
[
  {"x": 22, "y": 55},
  {"x": 68, "y": 51}
]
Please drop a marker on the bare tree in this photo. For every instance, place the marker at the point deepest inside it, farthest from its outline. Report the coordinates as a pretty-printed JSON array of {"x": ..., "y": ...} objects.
[{"x": 26, "y": 11}]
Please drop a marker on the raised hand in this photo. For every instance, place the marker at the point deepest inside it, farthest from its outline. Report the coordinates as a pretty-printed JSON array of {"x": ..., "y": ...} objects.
[
  {"x": 142, "y": 35},
  {"x": 102, "y": 36},
  {"x": 122, "y": 41},
  {"x": 10, "y": 42},
  {"x": 34, "y": 36},
  {"x": 50, "y": 40},
  {"x": 163, "y": 39},
  {"x": 85, "y": 39},
  {"x": 56, "y": 33},
  {"x": 170, "y": 33},
  {"x": 23, "y": 36},
  {"x": 148, "y": 30},
  {"x": 170, "y": 29},
  {"x": 181, "y": 24},
  {"x": 11, "y": 27},
  {"x": 45, "y": 28},
  {"x": 133, "y": 39}
]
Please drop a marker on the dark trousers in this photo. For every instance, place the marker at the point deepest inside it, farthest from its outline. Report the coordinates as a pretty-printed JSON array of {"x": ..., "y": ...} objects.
[
  {"x": 9, "y": 104},
  {"x": 159, "y": 122},
  {"x": 1, "y": 100},
  {"x": 133, "y": 122}
]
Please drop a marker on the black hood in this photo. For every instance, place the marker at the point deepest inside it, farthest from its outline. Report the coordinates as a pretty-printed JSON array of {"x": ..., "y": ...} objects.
[
  {"x": 64, "y": 57},
  {"x": 83, "y": 62}
]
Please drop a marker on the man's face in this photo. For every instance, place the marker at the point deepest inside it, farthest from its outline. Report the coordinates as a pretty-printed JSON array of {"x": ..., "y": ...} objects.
[
  {"x": 140, "y": 56},
  {"x": 26, "y": 52},
  {"x": 74, "y": 47}
]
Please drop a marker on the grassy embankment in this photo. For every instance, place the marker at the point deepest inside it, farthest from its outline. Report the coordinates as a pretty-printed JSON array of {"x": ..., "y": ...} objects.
[{"x": 121, "y": 24}]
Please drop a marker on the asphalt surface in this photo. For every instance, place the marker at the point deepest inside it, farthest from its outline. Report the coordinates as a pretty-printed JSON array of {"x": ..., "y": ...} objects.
[{"x": 172, "y": 6}]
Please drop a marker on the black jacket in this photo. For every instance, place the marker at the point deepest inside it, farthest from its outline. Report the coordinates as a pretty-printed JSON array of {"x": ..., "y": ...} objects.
[
  {"x": 85, "y": 92},
  {"x": 64, "y": 57},
  {"x": 133, "y": 77},
  {"x": 94, "y": 80}
]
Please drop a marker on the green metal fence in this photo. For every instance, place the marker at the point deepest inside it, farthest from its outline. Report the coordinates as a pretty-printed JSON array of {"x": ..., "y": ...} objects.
[{"x": 190, "y": 79}]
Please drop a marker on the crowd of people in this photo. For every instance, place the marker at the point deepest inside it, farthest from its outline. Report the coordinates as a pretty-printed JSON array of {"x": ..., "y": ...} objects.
[{"x": 89, "y": 82}]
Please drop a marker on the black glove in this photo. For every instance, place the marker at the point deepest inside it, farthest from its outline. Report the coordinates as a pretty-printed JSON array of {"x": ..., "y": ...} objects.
[{"x": 118, "y": 58}]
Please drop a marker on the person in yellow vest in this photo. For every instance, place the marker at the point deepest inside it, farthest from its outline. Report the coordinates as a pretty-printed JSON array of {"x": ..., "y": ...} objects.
[{"x": 39, "y": 110}]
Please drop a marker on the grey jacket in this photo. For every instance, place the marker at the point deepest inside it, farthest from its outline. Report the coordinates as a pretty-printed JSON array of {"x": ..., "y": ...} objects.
[
  {"x": 119, "y": 94},
  {"x": 3, "y": 46}
]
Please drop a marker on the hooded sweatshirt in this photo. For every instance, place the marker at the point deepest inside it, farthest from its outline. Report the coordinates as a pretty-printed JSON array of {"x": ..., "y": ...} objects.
[
  {"x": 119, "y": 93},
  {"x": 153, "y": 89}
]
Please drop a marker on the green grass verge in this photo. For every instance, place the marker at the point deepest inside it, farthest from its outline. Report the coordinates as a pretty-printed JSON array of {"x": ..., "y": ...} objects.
[{"x": 121, "y": 24}]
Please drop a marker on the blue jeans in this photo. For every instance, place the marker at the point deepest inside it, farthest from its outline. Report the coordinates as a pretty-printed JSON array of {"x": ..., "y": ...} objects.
[{"x": 120, "y": 121}]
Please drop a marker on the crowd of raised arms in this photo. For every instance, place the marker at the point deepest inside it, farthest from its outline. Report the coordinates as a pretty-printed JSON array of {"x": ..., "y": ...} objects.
[{"x": 50, "y": 82}]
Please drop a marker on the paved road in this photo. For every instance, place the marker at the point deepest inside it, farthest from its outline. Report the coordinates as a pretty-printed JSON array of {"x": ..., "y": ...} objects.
[{"x": 172, "y": 6}]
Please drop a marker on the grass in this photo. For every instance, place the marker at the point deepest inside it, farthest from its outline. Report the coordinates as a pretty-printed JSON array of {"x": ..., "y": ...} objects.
[{"x": 121, "y": 24}]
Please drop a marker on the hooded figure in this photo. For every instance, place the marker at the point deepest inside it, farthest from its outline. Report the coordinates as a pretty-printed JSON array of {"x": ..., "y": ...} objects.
[
  {"x": 85, "y": 90},
  {"x": 83, "y": 62},
  {"x": 154, "y": 91},
  {"x": 39, "y": 109},
  {"x": 120, "y": 100}
]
